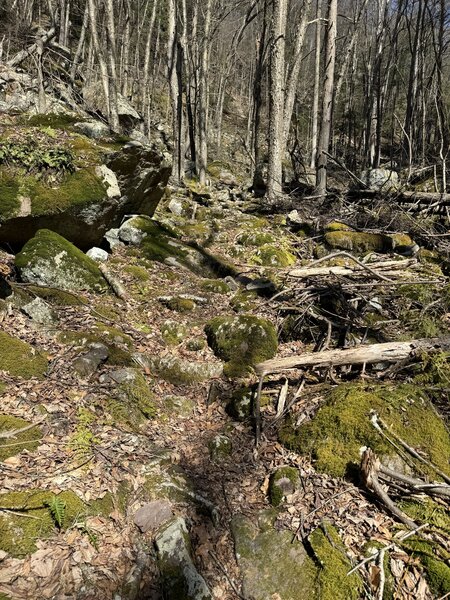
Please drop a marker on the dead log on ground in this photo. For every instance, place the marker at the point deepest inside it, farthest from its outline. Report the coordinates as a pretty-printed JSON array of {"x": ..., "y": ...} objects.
[
  {"x": 386, "y": 352},
  {"x": 387, "y": 267},
  {"x": 23, "y": 54}
]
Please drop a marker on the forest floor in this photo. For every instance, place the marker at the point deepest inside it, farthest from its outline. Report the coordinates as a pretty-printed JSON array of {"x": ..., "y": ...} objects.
[{"x": 95, "y": 555}]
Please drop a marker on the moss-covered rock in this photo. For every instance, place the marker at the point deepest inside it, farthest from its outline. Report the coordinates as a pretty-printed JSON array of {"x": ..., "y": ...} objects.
[
  {"x": 50, "y": 260},
  {"x": 181, "y": 372},
  {"x": 118, "y": 344},
  {"x": 20, "y": 359},
  {"x": 240, "y": 406},
  {"x": 270, "y": 255},
  {"x": 133, "y": 402},
  {"x": 137, "y": 272},
  {"x": 243, "y": 301},
  {"x": 53, "y": 296},
  {"x": 179, "y": 405},
  {"x": 434, "y": 559},
  {"x": 173, "y": 332},
  {"x": 255, "y": 238},
  {"x": 20, "y": 532},
  {"x": 196, "y": 344},
  {"x": 217, "y": 286},
  {"x": 283, "y": 482},
  {"x": 220, "y": 447},
  {"x": 242, "y": 341},
  {"x": 333, "y": 581},
  {"x": 290, "y": 577},
  {"x": 335, "y": 435},
  {"x": 180, "y": 304},
  {"x": 26, "y": 440},
  {"x": 362, "y": 242}
]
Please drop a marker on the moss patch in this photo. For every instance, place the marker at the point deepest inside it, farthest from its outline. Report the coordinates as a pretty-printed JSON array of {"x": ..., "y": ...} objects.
[
  {"x": 242, "y": 341},
  {"x": 137, "y": 272},
  {"x": 81, "y": 339},
  {"x": 18, "y": 534},
  {"x": 173, "y": 332},
  {"x": 339, "y": 429},
  {"x": 9, "y": 191},
  {"x": 433, "y": 558},
  {"x": 54, "y": 296},
  {"x": 27, "y": 440},
  {"x": 49, "y": 259},
  {"x": 20, "y": 359},
  {"x": 273, "y": 256},
  {"x": 216, "y": 286},
  {"x": 333, "y": 581},
  {"x": 284, "y": 481}
]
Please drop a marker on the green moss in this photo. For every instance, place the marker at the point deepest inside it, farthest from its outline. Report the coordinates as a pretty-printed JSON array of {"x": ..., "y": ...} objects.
[
  {"x": 339, "y": 429},
  {"x": 243, "y": 301},
  {"x": 255, "y": 238},
  {"x": 220, "y": 447},
  {"x": 333, "y": 581},
  {"x": 240, "y": 406},
  {"x": 160, "y": 242},
  {"x": 27, "y": 440},
  {"x": 132, "y": 403},
  {"x": 427, "y": 511},
  {"x": 54, "y": 296},
  {"x": 83, "y": 187},
  {"x": 216, "y": 286},
  {"x": 173, "y": 332},
  {"x": 137, "y": 272},
  {"x": 242, "y": 341},
  {"x": 433, "y": 558},
  {"x": 50, "y": 256},
  {"x": 273, "y": 256},
  {"x": 19, "y": 534},
  {"x": 356, "y": 241},
  {"x": 20, "y": 359},
  {"x": 82, "y": 339},
  {"x": 9, "y": 192},
  {"x": 337, "y": 226},
  {"x": 57, "y": 120},
  {"x": 179, "y": 405},
  {"x": 183, "y": 372},
  {"x": 196, "y": 344},
  {"x": 181, "y": 305},
  {"x": 372, "y": 548},
  {"x": 283, "y": 478}
]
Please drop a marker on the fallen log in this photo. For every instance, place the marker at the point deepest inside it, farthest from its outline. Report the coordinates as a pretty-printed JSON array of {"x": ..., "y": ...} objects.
[
  {"x": 403, "y": 197},
  {"x": 388, "y": 267},
  {"x": 386, "y": 352},
  {"x": 23, "y": 54}
]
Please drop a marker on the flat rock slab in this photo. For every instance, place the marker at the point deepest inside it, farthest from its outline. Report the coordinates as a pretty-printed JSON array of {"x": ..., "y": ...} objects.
[
  {"x": 152, "y": 515},
  {"x": 181, "y": 580},
  {"x": 271, "y": 565}
]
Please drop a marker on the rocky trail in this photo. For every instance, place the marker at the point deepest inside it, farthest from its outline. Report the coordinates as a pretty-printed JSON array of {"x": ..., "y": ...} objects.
[{"x": 127, "y": 427}]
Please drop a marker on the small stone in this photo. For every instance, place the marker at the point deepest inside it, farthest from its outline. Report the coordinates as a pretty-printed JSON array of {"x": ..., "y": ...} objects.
[
  {"x": 283, "y": 482},
  {"x": 176, "y": 207},
  {"x": 97, "y": 254},
  {"x": 93, "y": 129},
  {"x": 38, "y": 310},
  {"x": 220, "y": 447},
  {"x": 232, "y": 283},
  {"x": 112, "y": 238},
  {"x": 152, "y": 515},
  {"x": 88, "y": 363}
]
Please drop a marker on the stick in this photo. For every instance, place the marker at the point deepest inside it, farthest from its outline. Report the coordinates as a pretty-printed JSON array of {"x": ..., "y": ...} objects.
[
  {"x": 224, "y": 571},
  {"x": 258, "y": 411},
  {"x": 282, "y": 398},
  {"x": 389, "y": 352},
  {"x": 380, "y": 591},
  {"x": 116, "y": 286},
  {"x": 13, "y": 432},
  {"x": 370, "y": 466},
  {"x": 402, "y": 538},
  {"x": 376, "y": 420},
  {"x": 435, "y": 489}
]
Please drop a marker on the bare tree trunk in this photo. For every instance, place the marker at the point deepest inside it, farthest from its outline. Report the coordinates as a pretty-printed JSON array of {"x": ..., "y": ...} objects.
[
  {"x": 276, "y": 100},
  {"x": 315, "y": 106},
  {"x": 327, "y": 104},
  {"x": 203, "y": 92},
  {"x": 98, "y": 51},
  {"x": 81, "y": 42},
  {"x": 172, "y": 60},
  {"x": 292, "y": 78},
  {"x": 113, "y": 81},
  {"x": 146, "y": 70},
  {"x": 125, "y": 55}
]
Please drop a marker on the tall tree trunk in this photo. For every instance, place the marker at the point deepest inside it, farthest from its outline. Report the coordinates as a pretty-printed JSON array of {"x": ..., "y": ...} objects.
[
  {"x": 93, "y": 16},
  {"x": 327, "y": 104},
  {"x": 276, "y": 100},
  {"x": 315, "y": 106},
  {"x": 146, "y": 69},
  {"x": 203, "y": 93},
  {"x": 81, "y": 41},
  {"x": 177, "y": 109},
  {"x": 112, "y": 61}
]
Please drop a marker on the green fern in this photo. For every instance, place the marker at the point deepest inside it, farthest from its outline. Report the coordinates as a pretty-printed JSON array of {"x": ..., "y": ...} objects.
[{"x": 57, "y": 509}]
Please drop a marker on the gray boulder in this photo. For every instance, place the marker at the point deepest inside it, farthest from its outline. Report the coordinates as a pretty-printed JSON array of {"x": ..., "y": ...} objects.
[
  {"x": 50, "y": 260},
  {"x": 380, "y": 179},
  {"x": 181, "y": 580},
  {"x": 93, "y": 129},
  {"x": 39, "y": 311},
  {"x": 97, "y": 254}
]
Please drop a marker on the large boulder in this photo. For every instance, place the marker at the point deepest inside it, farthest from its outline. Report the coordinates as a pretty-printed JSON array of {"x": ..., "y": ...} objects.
[
  {"x": 380, "y": 180},
  {"x": 50, "y": 260},
  {"x": 83, "y": 189}
]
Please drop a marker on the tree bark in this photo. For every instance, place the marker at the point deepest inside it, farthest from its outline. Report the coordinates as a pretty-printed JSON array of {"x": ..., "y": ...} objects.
[
  {"x": 276, "y": 100},
  {"x": 386, "y": 352},
  {"x": 327, "y": 104},
  {"x": 203, "y": 93},
  {"x": 315, "y": 106}
]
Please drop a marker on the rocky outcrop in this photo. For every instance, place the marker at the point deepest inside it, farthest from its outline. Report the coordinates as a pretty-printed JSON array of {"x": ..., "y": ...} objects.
[{"x": 84, "y": 188}]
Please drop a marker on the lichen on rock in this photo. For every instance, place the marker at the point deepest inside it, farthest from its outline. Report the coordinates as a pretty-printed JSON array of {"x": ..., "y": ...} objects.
[
  {"x": 242, "y": 341},
  {"x": 50, "y": 260},
  {"x": 284, "y": 481}
]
